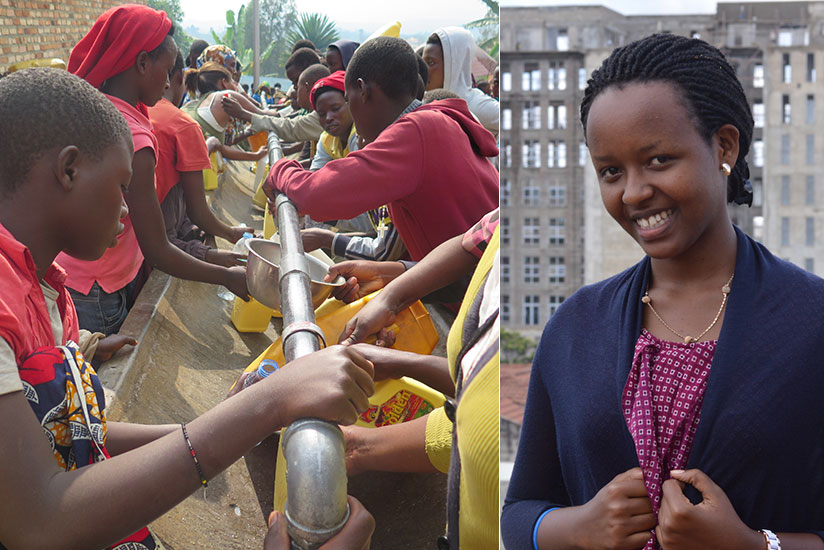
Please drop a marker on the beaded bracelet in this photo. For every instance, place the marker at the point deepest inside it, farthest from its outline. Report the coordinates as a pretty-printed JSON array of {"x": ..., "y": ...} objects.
[{"x": 203, "y": 481}]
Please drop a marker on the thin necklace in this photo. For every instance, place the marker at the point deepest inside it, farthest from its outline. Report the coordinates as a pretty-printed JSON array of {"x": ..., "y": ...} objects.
[{"x": 725, "y": 290}]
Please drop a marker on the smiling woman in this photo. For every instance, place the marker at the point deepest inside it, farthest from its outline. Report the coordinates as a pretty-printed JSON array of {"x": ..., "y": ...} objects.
[{"x": 672, "y": 405}]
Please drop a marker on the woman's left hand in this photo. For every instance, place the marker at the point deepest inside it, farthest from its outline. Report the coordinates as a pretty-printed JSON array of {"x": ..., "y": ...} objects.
[{"x": 713, "y": 523}]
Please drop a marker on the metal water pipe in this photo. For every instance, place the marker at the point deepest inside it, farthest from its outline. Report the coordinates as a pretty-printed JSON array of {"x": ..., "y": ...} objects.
[{"x": 316, "y": 505}]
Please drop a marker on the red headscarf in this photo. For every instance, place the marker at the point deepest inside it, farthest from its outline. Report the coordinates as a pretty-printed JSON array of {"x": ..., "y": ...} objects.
[
  {"x": 115, "y": 40},
  {"x": 334, "y": 80}
]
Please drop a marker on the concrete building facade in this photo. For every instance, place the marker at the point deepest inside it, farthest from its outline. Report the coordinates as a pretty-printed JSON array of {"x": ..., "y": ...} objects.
[{"x": 547, "y": 54}]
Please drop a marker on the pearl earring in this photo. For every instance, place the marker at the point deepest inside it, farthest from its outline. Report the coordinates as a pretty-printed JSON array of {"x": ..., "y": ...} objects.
[{"x": 725, "y": 167}]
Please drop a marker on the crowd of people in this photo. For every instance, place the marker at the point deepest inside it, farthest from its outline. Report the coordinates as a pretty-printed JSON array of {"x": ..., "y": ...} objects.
[{"x": 392, "y": 163}]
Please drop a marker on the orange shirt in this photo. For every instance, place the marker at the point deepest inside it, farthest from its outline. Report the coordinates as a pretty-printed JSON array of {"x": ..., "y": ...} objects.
[
  {"x": 181, "y": 147},
  {"x": 119, "y": 265}
]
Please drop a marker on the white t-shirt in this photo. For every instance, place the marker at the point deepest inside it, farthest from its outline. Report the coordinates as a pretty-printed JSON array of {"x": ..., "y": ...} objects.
[{"x": 9, "y": 375}]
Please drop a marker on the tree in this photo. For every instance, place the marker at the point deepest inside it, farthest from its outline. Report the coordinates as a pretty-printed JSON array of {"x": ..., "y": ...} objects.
[
  {"x": 488, "y": 27},
  {"x": 516, "y": 348},
  {"x": 175, "y": 13},
  {"x": 276, "y": 18},
  {"x": 315, "y": 27}
]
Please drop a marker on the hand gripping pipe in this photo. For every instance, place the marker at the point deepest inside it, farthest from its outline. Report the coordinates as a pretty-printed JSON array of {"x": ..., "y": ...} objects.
[{"x": 316, "y": 506}]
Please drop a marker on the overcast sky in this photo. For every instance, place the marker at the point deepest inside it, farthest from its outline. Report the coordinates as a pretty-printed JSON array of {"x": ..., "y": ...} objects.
[
  {"x": 629, "y": 7},
  {"x": 415, "y": 16}
]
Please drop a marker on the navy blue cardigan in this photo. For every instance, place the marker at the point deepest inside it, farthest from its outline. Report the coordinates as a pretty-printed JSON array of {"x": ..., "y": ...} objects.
[{"x": 761, "y": 433}]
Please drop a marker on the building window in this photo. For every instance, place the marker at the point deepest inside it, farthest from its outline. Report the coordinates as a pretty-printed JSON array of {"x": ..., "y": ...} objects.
[
  {"x": 532, "y": 269},
  {"x": 809, "y": 191},
  {"x": 556, "y": 76},
  {"x": 562, "y": 41},
  {"x": 786, "y": 69},
  {"x": 557, "y": 269},
  {"x": 562, "y": 154},
  {"x": 506, "y": 119},
  {"x": 809, "y": 111},
  {"x": 507, "y": 154},
  {"x": 757, "y": 192},
  {"x": 506, "y": 191},
  {"x": 810, "y": 67},
  {"x": 758, "y": 75},
  {"x": 758, "y": 114},
  {"x": 505, "y": 269},
  {"x": 809, "y": 152},
  {"x": 531, "y": 153},
  {"x": 557, "y": 195},
  {"x": 531, "y": 310},
  {"x": 785, "y": 148},
  {"x": 785, "y": 38},
  {"x": 557, "y": 233},
  {"x": 554, "y": 303},
  {"x": 531, "y": 195},
  {"x": 785, "y": 190},
  {"x": 557, "y": 117},
  {"x": 786, "y": 109},
  {"x": 809, "y": 231},
  {"x": 809, "y": 265},
  {"x": 506, "y": 81},
  {"x": 582, "y": 153},
  {"x": 531, "y": 78},
  {"x": 504, "y": 230},
  {"x": 757, "y": 153},
  {"x": 505, "y": 315},
  {"x": 582, "y": 79},
  {"x": 556, "y": 154},
  {"x": 785, "y": 231},
  {"x": 531, "y": 231},
  {"x": 531, "y": 116}
]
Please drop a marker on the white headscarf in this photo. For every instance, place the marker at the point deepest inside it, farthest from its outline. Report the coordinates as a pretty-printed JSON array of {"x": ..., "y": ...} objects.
[{"x": 458, "y": 52}]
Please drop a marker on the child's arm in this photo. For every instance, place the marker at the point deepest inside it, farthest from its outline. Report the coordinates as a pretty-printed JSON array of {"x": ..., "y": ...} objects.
[
  {"x": 444, "y": 265},
  {"x": 147, "y": 219},
  {"x": 232, "y": 153},
  {"x": 432, "y": 370},
  {"x": 200, "y": 213},
  {"x": 394, "y": 448},
  {"x": 94, "y": 506}
]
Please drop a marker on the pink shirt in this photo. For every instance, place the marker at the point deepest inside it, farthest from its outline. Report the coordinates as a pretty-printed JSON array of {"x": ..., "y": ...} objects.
[
  {"x": 662, "y": 406},
  {"x": 119, "y": 265}
]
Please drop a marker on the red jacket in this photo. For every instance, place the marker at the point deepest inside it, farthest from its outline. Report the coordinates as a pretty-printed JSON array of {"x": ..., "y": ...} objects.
[
  {"x": 24, "y": 317},
  {"x": 430, "y": 167}
]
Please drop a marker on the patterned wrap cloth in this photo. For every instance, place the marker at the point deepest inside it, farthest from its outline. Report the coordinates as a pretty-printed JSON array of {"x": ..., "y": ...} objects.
[{"x": 662, "y": 406}]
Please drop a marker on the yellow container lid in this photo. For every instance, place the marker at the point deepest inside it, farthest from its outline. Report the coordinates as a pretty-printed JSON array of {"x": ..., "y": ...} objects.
[{"x": 54, "y": 62}]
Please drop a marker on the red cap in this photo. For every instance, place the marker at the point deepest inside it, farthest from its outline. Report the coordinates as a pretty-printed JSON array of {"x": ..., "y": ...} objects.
[{"x": 334, "y": 80}]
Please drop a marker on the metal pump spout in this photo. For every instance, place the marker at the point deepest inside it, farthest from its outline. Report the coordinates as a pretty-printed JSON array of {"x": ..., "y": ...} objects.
[{"x": 316, "y": 506}]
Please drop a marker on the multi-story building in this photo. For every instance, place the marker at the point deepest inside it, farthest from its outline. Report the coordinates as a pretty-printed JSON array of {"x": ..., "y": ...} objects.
[{"x": 556, "y": 235}]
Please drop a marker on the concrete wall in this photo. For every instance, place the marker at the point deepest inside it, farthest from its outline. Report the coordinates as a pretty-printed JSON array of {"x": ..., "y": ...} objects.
[{"x": 32, "y": 30}]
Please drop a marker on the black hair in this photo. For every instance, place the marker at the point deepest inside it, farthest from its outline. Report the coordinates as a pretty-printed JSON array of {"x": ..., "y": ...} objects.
[
  {"x": 702, "y": 75},
  {"x": 245, "y": 87},
  {"x": 32, "y": 100},
  {"x": 178, "y": 66},
  {"x": 206, "y": 78},
  {"x": 423, "y": 70},
  {"x": 302, "y": 58},
  {"x": 388, "y": 62},
  {"x": 303, "y": 43},
  {"x": 313, "y": 73},
  {"x": 165, "y": 45},
  {"x": 195, "y": 50},
  {"x": 434, "y": 39},
  {"x": 437, "y": 94}
]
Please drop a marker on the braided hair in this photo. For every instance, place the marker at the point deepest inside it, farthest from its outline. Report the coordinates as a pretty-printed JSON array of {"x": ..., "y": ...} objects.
[{"x": 714, "y": 96}]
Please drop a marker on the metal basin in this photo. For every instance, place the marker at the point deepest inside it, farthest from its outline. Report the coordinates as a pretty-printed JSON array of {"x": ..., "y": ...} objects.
[{"x": 263, "y": 274}]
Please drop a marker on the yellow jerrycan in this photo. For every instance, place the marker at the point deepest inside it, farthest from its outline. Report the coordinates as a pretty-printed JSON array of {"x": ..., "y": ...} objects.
[
  {"x": 210, "y": 174},
  {"x": 394, "y": 400}
]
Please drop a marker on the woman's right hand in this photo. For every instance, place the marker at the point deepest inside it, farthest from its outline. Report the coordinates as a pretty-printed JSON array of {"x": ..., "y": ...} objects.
[
  {"x": 620, "y": 516},
  {"x": 333, "y": 384}
]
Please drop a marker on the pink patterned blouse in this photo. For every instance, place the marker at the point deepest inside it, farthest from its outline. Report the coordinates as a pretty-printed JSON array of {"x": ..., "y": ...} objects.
[{"x": 662, "y": 405}]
